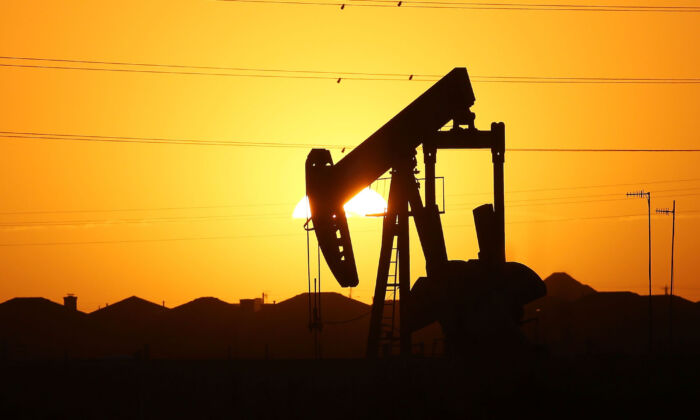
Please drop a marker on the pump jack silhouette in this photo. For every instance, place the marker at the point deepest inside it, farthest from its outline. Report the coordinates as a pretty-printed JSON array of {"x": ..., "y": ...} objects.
[{"x": 478, "y": 303}]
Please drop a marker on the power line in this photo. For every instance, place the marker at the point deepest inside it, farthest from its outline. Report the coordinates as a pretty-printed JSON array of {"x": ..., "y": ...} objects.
[
  {"x": 527, "y": 203},
  {"x": 566, "y": 197},
  {"x": 116, "y": 139},
  {"x": 155, "y": 140},
  {"x": 227, "y": 206},
  {"x": 571, "y": 219},
  {"x": 143, "y": 209},
  {"x": 596, "y": 201},
  {"x": 254, "y": 69},
  {"x": 616, "y": 194},
  {"x": 337, "y": 76},
  {"x": 126, "y": 241},
  {"x": 296, "y": 234},
  {"x": 199, "y": 73},
  {"x": 606, "y": 150},
  {"x": 480, "y": 6},
  {"x": 617, "y": 6},
  {"x": 140, "y": 220},
  {"x": 553, "y": 200},
  {"x": 543, "y": 202},
  {"x": 584, "y": 187},
  {"x": 467, "y": 206}
]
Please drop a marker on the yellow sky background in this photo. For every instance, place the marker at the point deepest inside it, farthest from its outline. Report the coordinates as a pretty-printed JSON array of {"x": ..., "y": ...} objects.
[{"x": 264, "y": 248}]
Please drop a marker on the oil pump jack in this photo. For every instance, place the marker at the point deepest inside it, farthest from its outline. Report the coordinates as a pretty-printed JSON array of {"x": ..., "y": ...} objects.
[{"x": 478, "y": 303}]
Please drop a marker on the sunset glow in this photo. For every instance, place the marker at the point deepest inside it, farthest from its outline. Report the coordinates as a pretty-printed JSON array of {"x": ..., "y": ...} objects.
[{"x": 366, "y": 202}]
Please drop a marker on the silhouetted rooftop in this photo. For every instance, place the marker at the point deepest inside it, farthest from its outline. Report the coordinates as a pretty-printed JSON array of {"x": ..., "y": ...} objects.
[
  {"x": 335, "y": 303},
  {"x": 30, "y": 301},
  {"x": 34, "y": 305},
  {"x": 202, "y": 303},
  {"x": 130, "y": 309},
  {"x": 204, "y": 308}
]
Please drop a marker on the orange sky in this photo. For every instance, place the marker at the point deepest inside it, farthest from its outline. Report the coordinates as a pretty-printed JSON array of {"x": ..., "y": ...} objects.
[{"x": 263, "y": 248}]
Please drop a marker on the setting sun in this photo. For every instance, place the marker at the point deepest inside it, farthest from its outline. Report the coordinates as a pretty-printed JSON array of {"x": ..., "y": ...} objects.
[{"x": 366, "y": 202}]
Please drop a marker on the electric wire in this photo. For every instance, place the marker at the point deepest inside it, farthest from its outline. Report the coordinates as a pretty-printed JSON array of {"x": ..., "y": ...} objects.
[
  {"x": 459, "y": 207},
  {"x": 94, "y": 222},
  {"x": 606, "y": 150},
  {"x": 127, "y": 241},
  {"x": 554, "y": 199},
  {"x": 570, "y": 219},
  {"x": 468, "y": 206},
  {"x": 573, "y": 219},
  {"x": 142, "y": 209},
  {"x": 337, "y": 76},
  {"x": 116, "y": 139},
  {"x": 582, "y": 187},
  {"x": 615, "y": 6},
  {"x": 106, "y": 242},
  {"x": 478, "y": 6},
  {"x": 200, "y": 73},
  {"x": 182, "y": 66},
  {"x": 280, "y": 204},
  {"x": 156, "y": 140},
  {"x": 540, "y": 201}
]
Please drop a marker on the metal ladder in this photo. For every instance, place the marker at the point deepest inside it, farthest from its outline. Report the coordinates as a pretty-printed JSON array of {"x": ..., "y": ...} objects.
[{"x": 388, "y": 340}]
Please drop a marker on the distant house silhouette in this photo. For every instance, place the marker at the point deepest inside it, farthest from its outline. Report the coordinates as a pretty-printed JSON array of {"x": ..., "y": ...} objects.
[
  {"x": 203, "y": 328},
  {"x": 203, "y": 308},
  {"x": 574, "y": 318},
  {"x": 32, "y": 327},
  {"x": 129, "y": 309},
  {"x": 248, "y": 306}
]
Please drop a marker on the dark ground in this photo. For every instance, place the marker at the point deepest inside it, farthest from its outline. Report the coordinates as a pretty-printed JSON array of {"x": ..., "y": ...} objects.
[
  {"x": 539, "y": 387},
  {"x": 587, "y": 359}
]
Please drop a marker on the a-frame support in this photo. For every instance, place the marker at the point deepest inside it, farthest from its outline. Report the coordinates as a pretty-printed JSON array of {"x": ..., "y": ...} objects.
[
  {"x": 394, "y": 271},
  {"x": 393, "y": 274}
]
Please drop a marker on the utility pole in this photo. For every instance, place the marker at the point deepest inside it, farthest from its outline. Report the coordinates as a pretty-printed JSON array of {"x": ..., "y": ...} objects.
[
  {"x": 315, "y": 322},
  {"x": 647, "y": 195},
  {"x": 670, "y": 299}
]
